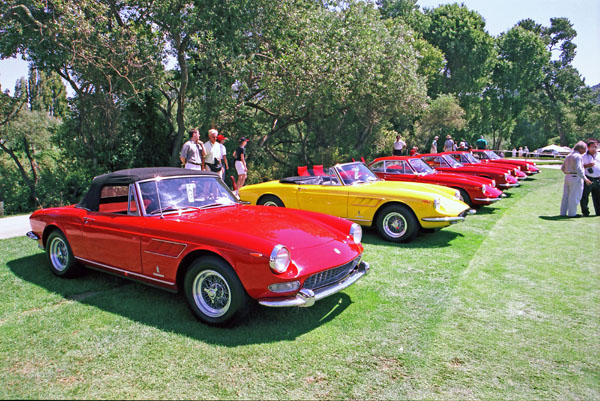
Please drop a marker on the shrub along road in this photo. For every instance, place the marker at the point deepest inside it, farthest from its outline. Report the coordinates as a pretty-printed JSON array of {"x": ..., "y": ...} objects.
[{"x": 505, "y": 305}]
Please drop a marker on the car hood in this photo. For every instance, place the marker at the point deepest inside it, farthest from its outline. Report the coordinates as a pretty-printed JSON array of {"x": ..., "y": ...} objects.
[{"x": 292, "y": 228}]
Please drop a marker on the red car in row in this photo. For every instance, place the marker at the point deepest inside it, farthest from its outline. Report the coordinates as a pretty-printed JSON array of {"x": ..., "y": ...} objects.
[
  {"x": 474, "y": 190},
  {"x": 487, "y": 156},
  {"x": 446, "y": 163},
  {"x": 467, "y": 159}
]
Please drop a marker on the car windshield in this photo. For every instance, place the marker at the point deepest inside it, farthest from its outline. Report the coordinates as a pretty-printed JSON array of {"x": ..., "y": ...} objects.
[
  {"x": 179, "y": 194},
  {"x": 451, "y": 161},
  {"x": 492, "y": 155},
  {"x": 355, "y": 173},
  {"x": 420, "y": 166},
  {"x": 470, "y": 158}
]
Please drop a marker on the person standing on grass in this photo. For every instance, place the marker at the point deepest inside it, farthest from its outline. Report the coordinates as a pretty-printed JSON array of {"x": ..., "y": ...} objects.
[
  {"x": 213, "y": 153},
  {"x": 572, "y": 167},
  {"x": 221, "y": 139},
  {"x": 398, "y": 146},
  {"x": 434, "y": 145},
  {"x": 591, "y": 164},
  {"x": 193, "y": 152},
  {"x": 449, "y": 144},
  {"x": 240, "y": 162},
  {"x": 481, "y": 143}
]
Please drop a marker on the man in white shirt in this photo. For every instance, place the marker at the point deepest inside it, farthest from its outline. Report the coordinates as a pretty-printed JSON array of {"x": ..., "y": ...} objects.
[
  {"x": 574, "y": 179},
  {"x": 591, "y": 165},
  {"x": 214, "y": 153}
]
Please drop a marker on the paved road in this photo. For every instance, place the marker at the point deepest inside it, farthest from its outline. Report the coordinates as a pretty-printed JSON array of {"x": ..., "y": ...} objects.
[{"x": 15, "y": 226}]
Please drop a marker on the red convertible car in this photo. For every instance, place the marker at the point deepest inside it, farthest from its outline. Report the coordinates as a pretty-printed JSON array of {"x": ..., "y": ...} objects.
[
  {"x": 487, "y": 156},
  {"x": 183, "y": 230},
  {"x": 447, "y": 164},
  {"x": 468, "y": 160},
  {"x": 474, "y": 190}
]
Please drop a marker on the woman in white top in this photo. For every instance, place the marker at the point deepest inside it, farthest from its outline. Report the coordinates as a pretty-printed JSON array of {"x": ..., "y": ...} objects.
[{"x": 398, "y": 146}]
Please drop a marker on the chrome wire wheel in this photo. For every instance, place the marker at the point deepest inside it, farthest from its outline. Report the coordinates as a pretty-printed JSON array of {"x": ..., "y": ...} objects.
[
  {"x": 59, "y": 254},
  {"x": 211, "y": 293},
  {"x": 395, "y": 224}
]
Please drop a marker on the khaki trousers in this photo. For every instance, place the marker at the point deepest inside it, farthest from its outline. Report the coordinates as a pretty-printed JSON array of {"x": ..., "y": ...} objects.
[{"x": 572, "y": 191}]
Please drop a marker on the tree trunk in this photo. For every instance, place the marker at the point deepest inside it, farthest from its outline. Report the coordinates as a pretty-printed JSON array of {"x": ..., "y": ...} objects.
[
  {"x": 183, "y": 84},
  {"x": 28, "y": 181}
]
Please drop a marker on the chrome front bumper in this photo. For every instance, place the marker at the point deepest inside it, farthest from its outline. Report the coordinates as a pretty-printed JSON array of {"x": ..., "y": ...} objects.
[
  {"x": 306, "y": 297},
  {"x": 449, "y": 219},
  {"x": 487, "y": 199},
  {"x": 32, "y": 235},
  {"x": 521, "y": 178},
  {"x": 516, "y": 184}
]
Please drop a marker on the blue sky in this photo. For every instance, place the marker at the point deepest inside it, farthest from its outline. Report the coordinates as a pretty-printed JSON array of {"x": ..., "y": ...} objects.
[{"x": 500, "y": 16}]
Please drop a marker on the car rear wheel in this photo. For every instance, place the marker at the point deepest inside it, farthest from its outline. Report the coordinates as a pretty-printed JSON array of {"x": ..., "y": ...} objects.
[
  {"x": 61, "y": 258},
  {"x": 396, "y": 223},
  {"x": 214, "y": 292},
  {"x": 270, "y": 200}
]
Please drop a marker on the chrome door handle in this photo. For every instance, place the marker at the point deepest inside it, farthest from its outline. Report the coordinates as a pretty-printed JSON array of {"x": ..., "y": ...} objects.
[{"x": 87, "y": 220}]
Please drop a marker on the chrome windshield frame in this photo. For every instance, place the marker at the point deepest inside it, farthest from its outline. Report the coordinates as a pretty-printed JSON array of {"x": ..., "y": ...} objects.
[{"x": 142, "y": 209}]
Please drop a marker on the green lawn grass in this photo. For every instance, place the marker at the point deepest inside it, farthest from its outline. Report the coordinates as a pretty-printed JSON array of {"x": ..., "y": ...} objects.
[{"x": 504, "y": 306}]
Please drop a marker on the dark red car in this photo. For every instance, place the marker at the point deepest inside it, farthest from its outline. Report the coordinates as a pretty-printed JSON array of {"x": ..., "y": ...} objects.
[
  {"x": 183, "y": 230},
  {"x": 474, "y": 190},
  {"x": 487, "y": 156},
  {"x": 446, "y": 163},
  {"x": 467, "y": 159}
]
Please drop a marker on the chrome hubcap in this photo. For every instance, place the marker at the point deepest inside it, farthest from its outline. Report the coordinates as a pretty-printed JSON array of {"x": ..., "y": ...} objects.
[
  {"x": 59, "y": 254},
  {"x": 395, "y": 225},
  {"x": 270, "y": 203},
  {"x": 211, "y": 293}
]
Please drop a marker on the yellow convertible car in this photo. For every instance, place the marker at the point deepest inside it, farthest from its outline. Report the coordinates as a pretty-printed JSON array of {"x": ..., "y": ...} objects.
[{"x": 352, "y": 191}]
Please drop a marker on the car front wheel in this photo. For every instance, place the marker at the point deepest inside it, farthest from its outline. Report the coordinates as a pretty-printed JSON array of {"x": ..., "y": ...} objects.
[
  {"x": 396, "y": 223},
  {"x": 61, "y": 258},
  {"x": 214, "y": 292},
  {"x": 464, "y": 196},
  {"x": 270, "y": 200}
]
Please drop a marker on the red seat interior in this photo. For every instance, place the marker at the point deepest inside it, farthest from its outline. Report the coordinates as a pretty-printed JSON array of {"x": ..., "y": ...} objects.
[
  {"x": 318, "y": 169},
  {"x": 303, "y": 171}
]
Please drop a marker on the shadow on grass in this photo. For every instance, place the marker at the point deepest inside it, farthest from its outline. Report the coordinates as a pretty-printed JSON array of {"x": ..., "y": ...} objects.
[
  {"x": 553, "y": 218},
  {"x": 436, "y": 239},
  {"x": 169, "y": 312},
  {"x": 485, "y": 210}
]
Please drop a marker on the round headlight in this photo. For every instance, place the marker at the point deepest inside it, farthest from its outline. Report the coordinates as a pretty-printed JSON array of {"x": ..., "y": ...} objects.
[
  {"x": 483, "y": 188},
  {"x": 457, "y": 194},
  {"x": 436, "y": 203},
  {"x": 356, "y": 233},
  {"x": 493, "y": 183},
  {"x": 280, "y": 259}
]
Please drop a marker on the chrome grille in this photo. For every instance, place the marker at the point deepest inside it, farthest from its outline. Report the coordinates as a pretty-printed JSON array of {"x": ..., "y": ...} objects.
[{"x": 330, "y": 276}]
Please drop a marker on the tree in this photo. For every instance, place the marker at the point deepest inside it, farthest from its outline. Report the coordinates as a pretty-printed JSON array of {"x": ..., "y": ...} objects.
[
  {"x": 562, "y": 84},
  {"x": 460, "y": 34},
  {"x": 317, "y": 71},
  {"x": 517, "y": 76},
  {"x": 443, "y": 116}
]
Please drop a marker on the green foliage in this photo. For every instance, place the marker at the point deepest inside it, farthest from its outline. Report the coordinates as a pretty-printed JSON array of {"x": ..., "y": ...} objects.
[
  {"x": 460, "y": 34},
  {"x": 443, "y": 116},
  {"x": 310, "y": 82}
]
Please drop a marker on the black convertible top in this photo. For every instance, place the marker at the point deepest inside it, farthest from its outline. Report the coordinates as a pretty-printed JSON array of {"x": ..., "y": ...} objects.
[{"x": 125, "y": 177}]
